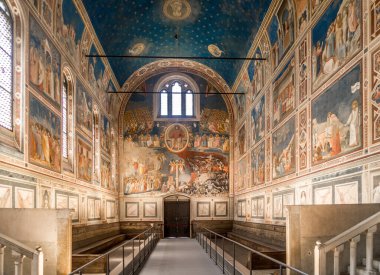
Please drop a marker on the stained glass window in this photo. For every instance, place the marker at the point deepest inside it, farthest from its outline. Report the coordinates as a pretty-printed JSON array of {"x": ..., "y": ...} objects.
[
  {"x": 6, "y": 78},
  {"x": 64, "y": 118}
]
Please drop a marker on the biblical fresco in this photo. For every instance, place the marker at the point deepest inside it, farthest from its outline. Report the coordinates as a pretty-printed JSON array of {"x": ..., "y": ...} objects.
[
  {"x": 96, "y": 71},
  {"x": 242, "y": 140},
  {"x": 337, "y": 118},
  {"x": 47, "y": 12},
  {"x": 375, "y": 19},
  {"x": 105, "y": 173},
  {"x": 84, "y": 109},
  {"x": 44, "y": 136},
  {"x": 258, "y": 121},
  {"x": 242, "y": 94},
  {"x": 70, "y": 28},
  {"x": 105, "y": 134},
  {"x": 315, "y": 4},
  {"x": 336, "y": 38},
  {"x": 302, "y": 14},
  {"x": 281, "y": 31},
  {"x": 283, "y": 153},
  {"x": 256, "y": 74},
  {"x": 258, "y": 165},
  {"x": 84, "y": 160},
  {"x": 284, "y": 94},
  {"x": 44, "y": 64},
  {"x": 188, "y": 157}
]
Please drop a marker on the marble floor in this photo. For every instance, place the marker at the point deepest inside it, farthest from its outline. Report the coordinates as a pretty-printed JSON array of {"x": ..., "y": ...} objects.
[{"x": 179, "y": 256}]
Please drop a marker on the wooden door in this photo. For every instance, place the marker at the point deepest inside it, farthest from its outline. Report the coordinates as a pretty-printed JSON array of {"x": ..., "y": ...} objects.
[{"x": 176, "y": 219}]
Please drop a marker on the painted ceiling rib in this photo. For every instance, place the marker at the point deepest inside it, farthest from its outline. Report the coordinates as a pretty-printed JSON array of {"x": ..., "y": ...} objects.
[
  {"x": 195, "y": 93},
  {"x": 176, "y": 57}
]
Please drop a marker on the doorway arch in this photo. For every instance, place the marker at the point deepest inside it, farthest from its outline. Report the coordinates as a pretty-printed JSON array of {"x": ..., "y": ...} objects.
[{"x": 176, "y": 216}]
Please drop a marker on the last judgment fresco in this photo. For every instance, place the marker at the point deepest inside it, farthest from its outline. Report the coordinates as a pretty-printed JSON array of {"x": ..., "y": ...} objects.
[{"x": 188, "y": 157}]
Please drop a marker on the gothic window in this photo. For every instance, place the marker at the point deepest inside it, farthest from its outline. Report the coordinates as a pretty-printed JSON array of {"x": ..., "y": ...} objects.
[
  {"x": 176, "y": 99},
  {"x": 6, "y": 74}
]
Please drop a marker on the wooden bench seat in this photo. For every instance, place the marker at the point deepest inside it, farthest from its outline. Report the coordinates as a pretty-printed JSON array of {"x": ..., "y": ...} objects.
[{"x": 101, "y": 246}]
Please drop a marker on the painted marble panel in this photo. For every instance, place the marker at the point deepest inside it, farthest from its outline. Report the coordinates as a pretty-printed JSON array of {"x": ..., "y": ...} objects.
[
  {"x": 335, "y": 38},
  {"x": 44, "y": 136},
  {"x": 61, "y": 201},
  {"x": 221, "y": 209},
  {"x": 256, "y": 74},
  {"x": 203, "y": 209},
  {"x": 284, "y": 94},
  {"x": 84, "y": 160},
  {"x": 24, "y": 197},
  {"x": 337, "y": 118},
  {"x": 105, "y": 173},
  {"x": 346, "y": 193},
  {"x": 281, "y": 31},
  {"x": 105, "y": 134},
  {"x": 150, "y": 210},
  {"x": 84, "y": 109},
  {"x": 5, "y": 196},
  {"x": 241, "y": 208},
  {"x": 283, "y": 152},
  {"x": 44, "y": 64},
  {"x": 375, "y": 194},
  {"x": 258, "y": 121},
  {"x": 74, "y": 206},
  {"x": 131, "y": 209},
  {"x": 110, "y": 210},
  {"x": 258, "y": 165},
  {"x": 70, "y": 28},
  {"x": 323, "y": 195}
]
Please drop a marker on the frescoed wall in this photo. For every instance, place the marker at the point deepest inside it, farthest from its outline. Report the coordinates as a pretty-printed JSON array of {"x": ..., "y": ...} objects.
[
  {"x": 163, "y": 157},
  {"x": 36, "y": 174},
  {"x": 319, "y": 143}
]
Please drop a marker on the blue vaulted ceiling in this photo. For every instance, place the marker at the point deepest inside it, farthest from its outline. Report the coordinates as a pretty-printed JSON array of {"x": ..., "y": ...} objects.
[{"x": 228, "y": 24}]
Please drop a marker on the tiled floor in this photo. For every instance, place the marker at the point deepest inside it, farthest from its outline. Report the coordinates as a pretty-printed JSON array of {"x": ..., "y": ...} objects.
[{"x": 179, "y": 256}]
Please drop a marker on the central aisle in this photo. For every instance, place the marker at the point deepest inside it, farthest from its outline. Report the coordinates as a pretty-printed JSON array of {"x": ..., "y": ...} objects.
[{"x": 179, "y": 256}]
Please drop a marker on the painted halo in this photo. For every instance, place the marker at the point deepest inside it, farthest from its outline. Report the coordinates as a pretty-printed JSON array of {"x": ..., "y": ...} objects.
[{"x": 176, "y": 138}]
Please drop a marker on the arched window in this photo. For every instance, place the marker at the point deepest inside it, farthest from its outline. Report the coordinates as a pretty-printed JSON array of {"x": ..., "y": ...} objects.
[
  {"x": 6, "y": 63},
  {"x": 65, "y": 136},
  {"x": 176, "y": 98}
]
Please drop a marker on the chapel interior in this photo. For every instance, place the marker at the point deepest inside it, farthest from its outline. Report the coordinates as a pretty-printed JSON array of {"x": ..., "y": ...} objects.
[{"x": 239, "y": 128}]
